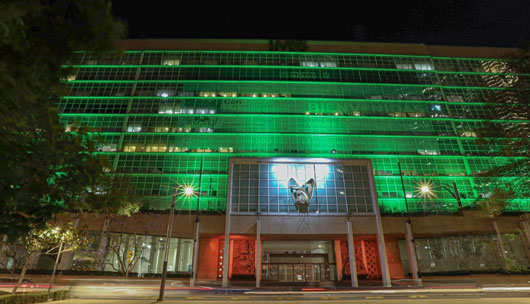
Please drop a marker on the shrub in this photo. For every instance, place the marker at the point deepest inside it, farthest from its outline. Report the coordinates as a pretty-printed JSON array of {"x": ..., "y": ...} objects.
[
  {"x": 34, "y": 297},
  {"x": 61, "y": 295}
]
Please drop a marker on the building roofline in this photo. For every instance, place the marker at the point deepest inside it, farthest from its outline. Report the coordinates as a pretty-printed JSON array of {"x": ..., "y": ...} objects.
[{"x": 418, "y": 49}]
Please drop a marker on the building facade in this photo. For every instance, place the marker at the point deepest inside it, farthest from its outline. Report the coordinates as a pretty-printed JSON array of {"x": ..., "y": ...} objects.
[{"x": 301, "y": 154}]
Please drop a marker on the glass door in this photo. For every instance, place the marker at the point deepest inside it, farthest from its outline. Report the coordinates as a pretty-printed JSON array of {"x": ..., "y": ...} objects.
[{"x": 313, "y": 272}]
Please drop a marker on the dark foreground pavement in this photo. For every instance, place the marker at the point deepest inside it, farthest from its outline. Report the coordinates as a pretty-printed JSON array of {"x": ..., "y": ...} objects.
[
  {"x": 244, "y": 300},
  {"x": 482, "y": 289}
]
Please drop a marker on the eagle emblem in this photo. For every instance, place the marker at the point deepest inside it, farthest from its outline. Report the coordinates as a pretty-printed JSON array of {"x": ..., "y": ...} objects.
[{"x": 301, "y": 195}]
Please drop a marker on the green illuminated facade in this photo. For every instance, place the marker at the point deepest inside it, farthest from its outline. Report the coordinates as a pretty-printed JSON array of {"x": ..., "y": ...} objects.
[
  {"x": 165, "y": 114},
  {"x": 346, "y": 132}
]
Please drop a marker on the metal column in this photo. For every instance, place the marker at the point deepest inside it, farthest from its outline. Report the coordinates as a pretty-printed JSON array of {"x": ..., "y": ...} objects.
[
  {"x": 412, "y": 254},
  {"x": 195, "y": 253},
  {"x": 258, "y": 253},
  {"x": 380, "y": 234},
  {"x": 351, "y": 253}
]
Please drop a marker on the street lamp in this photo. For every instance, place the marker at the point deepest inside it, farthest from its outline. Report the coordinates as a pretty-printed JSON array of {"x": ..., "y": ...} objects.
[
  {"x": 188, "y": 191},
  {"x": 195, "y": 260},
  {"x": 427, "y": 190}
]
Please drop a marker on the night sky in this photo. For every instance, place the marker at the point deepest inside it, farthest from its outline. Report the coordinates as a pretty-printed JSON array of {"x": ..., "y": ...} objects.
[{"x": 502, "y": 23}]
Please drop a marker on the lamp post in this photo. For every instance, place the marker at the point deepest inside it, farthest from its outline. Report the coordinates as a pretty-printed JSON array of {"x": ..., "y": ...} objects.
[
  {"x": 188, "y": 191},
  {"x": 197, "y": 226}
]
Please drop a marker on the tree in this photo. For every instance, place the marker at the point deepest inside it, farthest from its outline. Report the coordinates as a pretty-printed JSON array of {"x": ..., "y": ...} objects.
[
  {"x": 45, "y": 240},
  {"x": 128, "y": 250},
  {"x": 493, "y": 205},
  {"x": 506, "y": 132},
  {"x": 114, "y": 199},
  {"x": 44, "y": 169},
  {"x": 11, "y": 256}
]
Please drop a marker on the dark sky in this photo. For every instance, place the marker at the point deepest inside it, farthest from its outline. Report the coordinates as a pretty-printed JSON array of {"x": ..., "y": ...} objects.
[{"x": 446, "y": 22}]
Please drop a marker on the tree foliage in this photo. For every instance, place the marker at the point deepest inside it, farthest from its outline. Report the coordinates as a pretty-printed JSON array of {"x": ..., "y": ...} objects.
[
  {"x": 507, "y": 132},
  {"x": 46, "y": 240},
  {"x": 45, "y": 170}
]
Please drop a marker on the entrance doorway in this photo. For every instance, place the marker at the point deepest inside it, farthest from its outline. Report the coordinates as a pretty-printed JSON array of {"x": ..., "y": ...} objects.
[
  {"x": 298, "y": 261},
  {"x": 296, "y": 268}
]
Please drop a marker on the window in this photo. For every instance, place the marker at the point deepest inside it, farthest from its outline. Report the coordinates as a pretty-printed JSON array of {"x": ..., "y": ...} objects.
[
  {"x": 134, "y": 128},
  {"x": 129, "y": 148},
  {"x": 423, "y": 66},
  {"x": 404, "y": 66},
  {"x": 107, "y": 148},
  {"x": 171, "y": 62}
]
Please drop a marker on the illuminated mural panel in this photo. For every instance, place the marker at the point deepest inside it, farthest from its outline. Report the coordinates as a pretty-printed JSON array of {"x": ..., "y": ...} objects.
[{"x": 340, "y": 188}]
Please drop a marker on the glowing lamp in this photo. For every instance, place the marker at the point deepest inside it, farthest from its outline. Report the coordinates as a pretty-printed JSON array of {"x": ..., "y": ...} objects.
[{"x": 188, "y": 191}]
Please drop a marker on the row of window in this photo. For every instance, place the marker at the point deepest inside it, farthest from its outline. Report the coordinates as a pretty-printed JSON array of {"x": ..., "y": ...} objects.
[
  {"x": 298, "y": 144},
  {"x": 382, "y": 166},
  {"x": 371, "y": 108},
  {"x": 389, "y": 190},
  {"x": 280, "y": 124},
  {"x": 267, "y": 90},
  {"x": 284, "y": 74},
  {"x": 290, "y": 59}
]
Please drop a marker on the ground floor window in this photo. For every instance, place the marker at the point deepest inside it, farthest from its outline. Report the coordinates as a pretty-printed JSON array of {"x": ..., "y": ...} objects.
[
  {"x": 465, "y": 253},
  {"x": 139, "y": 254}
]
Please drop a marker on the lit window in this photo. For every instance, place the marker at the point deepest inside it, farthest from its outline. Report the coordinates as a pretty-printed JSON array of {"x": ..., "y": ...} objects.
[
  {"x": 428, "y": 152},
  {"x": 207, "y": 94},
  {"x": 228, "y": 94},
  {"x": 171, "y": 62},
  {"x": 168, "y": 109},
  {"x": 226, "y": 149},
  {"x": 129, "y": 149},
  {"x": 309, "y": 63},
  {"x": 155, "y": 149},
  {"x": 163, "y": 94},
  {"x": 107, "y": 148},
  {"x": 328, "y": 64},
  {"x": 71, "y": 77},
  {"x": 404, "y": 66},
  {"x": 423, "y": 66},
  {"x": 134, "y": 128}
]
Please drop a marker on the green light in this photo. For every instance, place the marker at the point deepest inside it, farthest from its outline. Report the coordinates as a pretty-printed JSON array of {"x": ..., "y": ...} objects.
[
  {"x": 291, "y": 67},
  {"x": 291, "y": 115},
  {"x": 288, "y": 82}
]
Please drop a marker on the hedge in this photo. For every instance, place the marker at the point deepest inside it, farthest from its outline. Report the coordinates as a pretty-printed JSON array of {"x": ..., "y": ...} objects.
[{"x": 34, "y": 297}]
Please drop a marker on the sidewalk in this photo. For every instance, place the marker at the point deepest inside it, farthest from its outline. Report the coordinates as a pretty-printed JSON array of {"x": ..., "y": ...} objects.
[{"x": 429, "y": 282}]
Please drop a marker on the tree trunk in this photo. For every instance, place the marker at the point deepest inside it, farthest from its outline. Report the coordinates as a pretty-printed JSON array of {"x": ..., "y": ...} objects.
[
  {"x": 22, "y": 273},
  {"x": 103, "y": 245},
  {"x": 501, "y": 243}
]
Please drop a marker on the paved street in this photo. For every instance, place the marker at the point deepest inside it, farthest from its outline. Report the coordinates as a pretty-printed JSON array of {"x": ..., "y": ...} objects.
[
  {"x": 468, "y": 290},
  {"x": 315, "y": 300}
]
